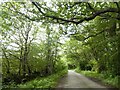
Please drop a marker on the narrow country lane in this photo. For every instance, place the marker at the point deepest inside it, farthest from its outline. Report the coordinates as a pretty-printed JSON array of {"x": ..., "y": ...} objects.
[{"x": 76, "y": 80}]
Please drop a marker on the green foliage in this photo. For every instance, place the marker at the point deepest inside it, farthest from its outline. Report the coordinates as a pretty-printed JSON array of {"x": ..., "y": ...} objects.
[
  {"x": 32, "y": 39},
  {"x": 40, "y": 82},
  {"x": 60, "y": 65}
]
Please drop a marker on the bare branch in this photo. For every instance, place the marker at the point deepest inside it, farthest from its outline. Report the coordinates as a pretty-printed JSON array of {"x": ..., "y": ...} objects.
[
  {"x": 94, "y": 35},
  {"x": 14, "y": 56},
  {"x": 89, "y": 5},
  {"x": 117, "y": 5}
]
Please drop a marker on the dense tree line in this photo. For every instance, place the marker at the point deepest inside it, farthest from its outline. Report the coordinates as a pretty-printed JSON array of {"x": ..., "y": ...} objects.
[
  {"x": 29, "y": 49},
  {"x": 93, "y": 29},
  {"x": 99, "y": 52}
]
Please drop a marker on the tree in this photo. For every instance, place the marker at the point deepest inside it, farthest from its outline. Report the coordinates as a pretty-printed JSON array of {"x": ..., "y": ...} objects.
[{"x": 17, "y": 40}]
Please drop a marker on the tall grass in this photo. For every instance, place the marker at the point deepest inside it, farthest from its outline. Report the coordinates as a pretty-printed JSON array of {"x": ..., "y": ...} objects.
[{"x": 41, "y": 82}]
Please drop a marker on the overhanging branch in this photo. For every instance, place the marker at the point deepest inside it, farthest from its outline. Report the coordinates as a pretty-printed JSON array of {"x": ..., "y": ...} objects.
[{"x": 97, "y": 13}]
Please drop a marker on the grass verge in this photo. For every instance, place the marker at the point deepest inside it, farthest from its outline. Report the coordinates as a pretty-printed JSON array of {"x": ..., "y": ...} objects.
[{"x": 105, "y": 79}]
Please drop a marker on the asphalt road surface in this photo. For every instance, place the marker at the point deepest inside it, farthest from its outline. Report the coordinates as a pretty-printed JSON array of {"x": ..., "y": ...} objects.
[{"x": 76, "y": 80}]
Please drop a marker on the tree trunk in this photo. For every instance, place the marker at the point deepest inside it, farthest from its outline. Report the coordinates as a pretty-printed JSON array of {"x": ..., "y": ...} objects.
[{"x": 8, "y": 63}]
